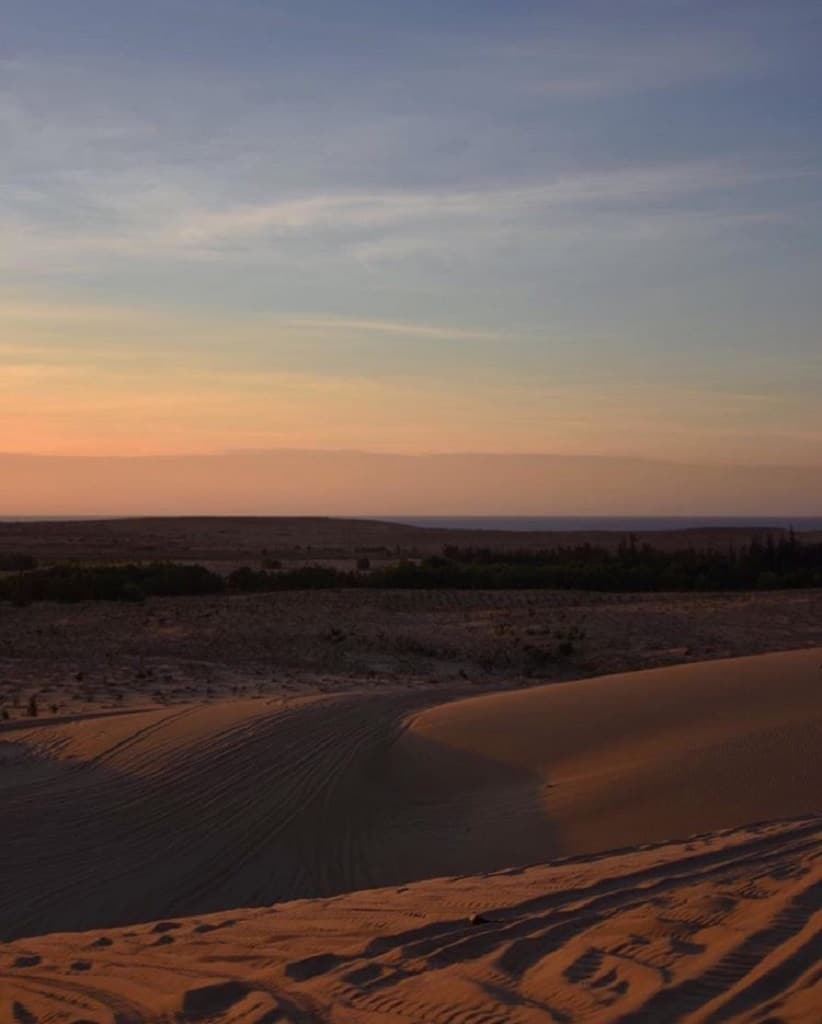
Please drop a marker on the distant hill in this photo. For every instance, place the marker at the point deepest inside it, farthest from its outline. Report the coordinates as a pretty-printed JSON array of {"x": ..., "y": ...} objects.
[{"x": 346, "y": 483}]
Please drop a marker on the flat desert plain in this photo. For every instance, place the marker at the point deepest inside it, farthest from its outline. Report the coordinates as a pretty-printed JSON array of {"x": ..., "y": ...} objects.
[
  {"x": 352, "y": 807},
  {"x": 294, "y": 538}
]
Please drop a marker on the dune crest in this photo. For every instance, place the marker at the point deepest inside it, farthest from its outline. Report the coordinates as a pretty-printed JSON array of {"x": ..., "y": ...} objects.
[{"x": 646, "y": 756}]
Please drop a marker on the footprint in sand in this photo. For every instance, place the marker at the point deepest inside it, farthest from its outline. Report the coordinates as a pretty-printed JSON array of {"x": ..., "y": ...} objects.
[
  {"x": 683, "y": 947},
  {"x": 584, "y": 967},
  {"x": 166, "y": 926},
  {"x": 201, "y": 929},
  {"x": 21, "y": 1015},
  {"x": 27, "y": 961},
  {"x": 211, "y": 1000}
]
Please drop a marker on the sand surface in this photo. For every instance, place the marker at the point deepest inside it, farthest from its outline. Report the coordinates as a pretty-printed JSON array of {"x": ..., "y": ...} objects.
[
  {"x": 723, "y": 927},
  {"x": 101, "y": 655},
  {"x": 121, "y": 818}
]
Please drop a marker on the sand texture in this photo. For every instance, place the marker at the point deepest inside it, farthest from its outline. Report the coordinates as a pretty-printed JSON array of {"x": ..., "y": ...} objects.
[
  {"x": 723, "y": 927},
  {"x": 99, "y": 655},
  {"x": 114, "y": 819}
]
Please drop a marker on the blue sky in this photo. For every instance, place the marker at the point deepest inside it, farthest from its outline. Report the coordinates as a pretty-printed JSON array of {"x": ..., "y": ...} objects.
[{"x": 562, "y": 227}]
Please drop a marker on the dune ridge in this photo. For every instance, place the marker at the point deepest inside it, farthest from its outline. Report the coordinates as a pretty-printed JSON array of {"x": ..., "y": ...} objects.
[{"x": 193, "y": 809}]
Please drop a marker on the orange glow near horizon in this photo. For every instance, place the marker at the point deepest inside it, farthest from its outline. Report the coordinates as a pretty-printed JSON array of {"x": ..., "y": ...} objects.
[{"x": 132, "y": 382}]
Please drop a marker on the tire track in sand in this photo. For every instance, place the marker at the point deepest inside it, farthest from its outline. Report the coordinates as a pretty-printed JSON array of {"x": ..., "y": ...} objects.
[{"x": 723, "y": 927}]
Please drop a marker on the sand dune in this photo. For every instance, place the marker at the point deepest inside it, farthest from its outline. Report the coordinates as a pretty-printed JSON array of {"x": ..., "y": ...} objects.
[
  {"x": 644, "y": 756},
  {"x": 199, "y": 808},
  {"x": 183, "y": 809},
  {"x": 726, "y": 926}
]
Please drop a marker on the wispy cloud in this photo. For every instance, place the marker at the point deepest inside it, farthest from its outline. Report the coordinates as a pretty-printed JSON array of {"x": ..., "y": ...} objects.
[
  {"x": 572, "y": 221},
  {"x": 153, "y": 222},
  {"x": 383, "y": 209},
  {"x": 349, "y": 325},
  {"x": 50, "y": 316}
]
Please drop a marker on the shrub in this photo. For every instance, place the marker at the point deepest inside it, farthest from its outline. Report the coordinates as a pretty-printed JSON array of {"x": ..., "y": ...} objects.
[
  {"x": 17, "y": 563},
  {"x": 132, "y": 592}
]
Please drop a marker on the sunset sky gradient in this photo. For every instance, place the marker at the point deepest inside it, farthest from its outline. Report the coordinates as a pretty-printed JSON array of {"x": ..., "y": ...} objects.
[{"x": 569, "y": 227}]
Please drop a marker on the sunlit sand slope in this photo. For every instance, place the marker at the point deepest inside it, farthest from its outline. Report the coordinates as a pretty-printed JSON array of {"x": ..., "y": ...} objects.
[
  {"x": 651, "y": 755},
  {"x": 725, "y": 927},
  {"x": 194, "y": 809}
]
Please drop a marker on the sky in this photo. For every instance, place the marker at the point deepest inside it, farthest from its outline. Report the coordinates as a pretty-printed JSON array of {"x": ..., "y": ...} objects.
[{"x": 583, "y": 227}]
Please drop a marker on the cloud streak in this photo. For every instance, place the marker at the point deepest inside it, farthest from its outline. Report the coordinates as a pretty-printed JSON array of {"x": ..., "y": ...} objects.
[{"x": 157, "y": 222}]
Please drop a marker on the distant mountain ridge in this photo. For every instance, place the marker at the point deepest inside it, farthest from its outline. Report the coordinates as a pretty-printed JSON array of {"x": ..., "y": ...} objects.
[{"x": 346, "y": 483}]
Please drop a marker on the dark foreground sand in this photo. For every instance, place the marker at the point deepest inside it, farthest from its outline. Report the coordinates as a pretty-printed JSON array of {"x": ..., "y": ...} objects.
[{"x": 723, "y": 927}]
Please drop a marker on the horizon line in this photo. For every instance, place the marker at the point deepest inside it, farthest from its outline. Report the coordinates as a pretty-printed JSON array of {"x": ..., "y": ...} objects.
[{"x": 588, "y": 456}]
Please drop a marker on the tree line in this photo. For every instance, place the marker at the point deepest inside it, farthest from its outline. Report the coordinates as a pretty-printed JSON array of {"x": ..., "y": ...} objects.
[{"x": 770, "y": 563}]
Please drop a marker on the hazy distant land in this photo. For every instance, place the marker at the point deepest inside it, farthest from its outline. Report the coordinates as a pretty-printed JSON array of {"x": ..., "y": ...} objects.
[
  {"x": 235, "y": 539},
  {"x": 348, "y": 483}
]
